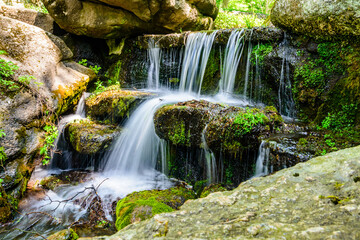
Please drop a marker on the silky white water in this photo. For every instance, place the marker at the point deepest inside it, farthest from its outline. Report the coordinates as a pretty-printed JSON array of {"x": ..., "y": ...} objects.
[{"x": 130, "y": 165}]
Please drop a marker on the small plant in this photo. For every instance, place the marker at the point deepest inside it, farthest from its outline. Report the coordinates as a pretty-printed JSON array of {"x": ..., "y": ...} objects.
[
  {"x": 7, "y": 71},
  {"x": 95, "y": 68},
  {"x": 341, "y": 120},
  {"x": 245, "y": 122},
  {"x": 99, "y": 86},
  {"x": 51, "y": 133},
  {"x": 259, "y": 52}
]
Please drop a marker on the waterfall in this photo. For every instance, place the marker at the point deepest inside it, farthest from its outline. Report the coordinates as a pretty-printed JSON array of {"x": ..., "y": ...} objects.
[
  {"x": 233, "y": 53},
  {"x": 154, "y": 54},
  {"x": 61, "y": 146},
  {"x": 210, "y": 160},
  {"x": 197, "y": 50},
  {"x": 248, "y": 67},
  {"x": 285, "y": 98},
  {"x": 136, "y": 150},
  {"x": 262, "y": 160}
]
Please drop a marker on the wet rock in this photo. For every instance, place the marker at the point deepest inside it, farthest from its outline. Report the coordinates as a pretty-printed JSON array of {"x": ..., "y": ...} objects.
[
  {"x": 294, "y": 202},
  {"x": 113, "y": 105},
  {"x": 323, "y": 19},
  {"x": 113, "y": 19},
  {"x": 66, "y": 234},
  {"x": 139, "y": 206},
  {"x": 87, "y": 137},
  {"x": 65, "y": 177},
  {"x": 225, "y": 128}
]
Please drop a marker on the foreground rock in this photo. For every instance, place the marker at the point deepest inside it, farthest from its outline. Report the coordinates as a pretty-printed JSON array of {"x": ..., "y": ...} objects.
[
  {"x": 113, "y": 105},
  {"x": 142, "y": 205},
  {"x": 113, "y": 19},
  {"x": 324, "y": 19},
  {"x": 312, "y": 200}
]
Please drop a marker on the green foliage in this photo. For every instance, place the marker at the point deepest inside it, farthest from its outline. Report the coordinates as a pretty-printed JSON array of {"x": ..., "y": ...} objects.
[
  {"x": 51, "y": 133},
  {"x": 3, "y": 156},
  {"x": 259, "y": 52},
  {"x": 315, "y": 73},
  {"x": 226, "y": 20},
  {"x": 39, "y": 8},
  {"x": 7, "y": 71},
  {"x": 246, "y": 121},
  {"x": 341, "y": 120},
  {"x": 95, "y": 68}
]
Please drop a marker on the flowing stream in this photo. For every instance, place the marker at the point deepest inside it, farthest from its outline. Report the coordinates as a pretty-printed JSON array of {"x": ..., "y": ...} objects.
[{"x": 130, "y": 165}]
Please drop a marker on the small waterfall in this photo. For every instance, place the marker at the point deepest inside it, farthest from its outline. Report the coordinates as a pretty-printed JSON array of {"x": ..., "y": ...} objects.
[
  {"x": 154, "y": 54},
  {"x": 61, "y": 146},
  {"x": 136, "y": 150},
  {"x": 80, "y": 110},
  {"x": 233, "y": 53},
  {"x": 285, "y": 98},
  {"x": 262, "y": 161},
  {"x": 210, "y": 160},
  {"x": 247, "y": 73},
  {"x": 197, "y": 50}
]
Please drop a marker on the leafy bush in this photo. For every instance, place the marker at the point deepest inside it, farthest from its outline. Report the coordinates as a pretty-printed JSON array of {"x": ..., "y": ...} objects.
[
  {"x": 341, "y": 120},
  {"x": 259, "y": 52}
]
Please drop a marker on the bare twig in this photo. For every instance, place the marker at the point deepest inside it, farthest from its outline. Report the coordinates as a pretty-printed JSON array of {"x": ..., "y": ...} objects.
[{"x": 59, "y": 202}]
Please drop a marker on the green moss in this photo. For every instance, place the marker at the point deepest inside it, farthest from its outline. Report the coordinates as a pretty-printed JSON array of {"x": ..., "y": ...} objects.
[
  {"x": 259, "y": 52},
  {"x": 213, "y": 188},
  {"x": 180, "y": 135},
  {"x": 66, "y": 234},
  {"x": 137, "y": 206}
]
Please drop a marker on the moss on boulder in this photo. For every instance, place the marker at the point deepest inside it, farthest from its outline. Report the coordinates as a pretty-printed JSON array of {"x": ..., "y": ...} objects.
[
  {"x": 66, "y": 234},
  {"x": 142, "y": 205},
  {"x": 113, "y": 105},
  {"x": 88, "y": 137},
  {"x": 226, "y": 128}
]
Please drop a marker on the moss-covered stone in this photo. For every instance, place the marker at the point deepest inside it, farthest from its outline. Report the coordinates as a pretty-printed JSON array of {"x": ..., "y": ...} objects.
[
  {"x": 5, "y": 207},
  {"x": 66, "y": 234},
  {"x": 113, "y": 105},
  {"x": 142, "y": 205},
  {"x": 88, "y": 137},
  {"x": 212, "y": 188}
]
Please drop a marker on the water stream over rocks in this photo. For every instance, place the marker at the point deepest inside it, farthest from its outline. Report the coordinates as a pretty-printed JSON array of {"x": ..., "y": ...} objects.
[{"x": 131, "y": 163}]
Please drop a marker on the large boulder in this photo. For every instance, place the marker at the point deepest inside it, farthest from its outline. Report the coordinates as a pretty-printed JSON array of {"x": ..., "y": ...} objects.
[
  {"x": 312, "y": 200},
  {"x": 320, "y": 18},
  {"x": 117, "y": 18},
  {"x": 39, "y": 19},
  {"x": 25, "y": 110}
]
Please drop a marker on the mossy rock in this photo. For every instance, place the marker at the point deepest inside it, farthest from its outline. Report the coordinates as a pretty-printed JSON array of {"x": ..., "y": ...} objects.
[
  {"x": 142, "y": 205},
  {"x": 5, "y": 207},
  {"x": 66, "y": 234},
  {"x": 65, "y": 177},
  {"x": 88, "y": 137},
  {"x": 113, "y": 105},
  {"x": 213, "y": 188},
  {"x": 183, "y": 123}
]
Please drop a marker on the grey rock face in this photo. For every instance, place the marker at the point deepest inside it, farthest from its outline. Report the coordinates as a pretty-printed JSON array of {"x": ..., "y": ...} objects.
[
  {"x": 109, "y": 19},
  {"x": 321, "y": 18}
]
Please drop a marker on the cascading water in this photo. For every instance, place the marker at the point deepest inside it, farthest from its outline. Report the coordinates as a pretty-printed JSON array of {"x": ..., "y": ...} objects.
[
  {"x": 233, "y": 53},
  {"x": 154, "y": 54},
  {"x": 210, "y": 160},
  {"x": 247, "y": 73},
  {"x": 197, "y": 51},
  {"x": 285, "y": 98},
  {"x": 262, "y": 160}
]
